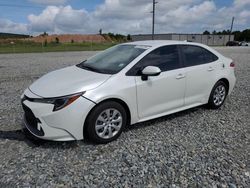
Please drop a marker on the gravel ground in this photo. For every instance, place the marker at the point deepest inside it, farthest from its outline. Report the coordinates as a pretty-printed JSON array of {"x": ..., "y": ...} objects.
[{"x": 194, "y": 148}]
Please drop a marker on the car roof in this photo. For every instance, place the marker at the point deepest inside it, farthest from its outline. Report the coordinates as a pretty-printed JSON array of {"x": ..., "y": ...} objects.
[{"x": 156, "y": 43}]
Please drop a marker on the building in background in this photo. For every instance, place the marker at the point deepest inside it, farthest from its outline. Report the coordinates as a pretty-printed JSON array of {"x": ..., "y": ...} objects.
[{"x": 211, "y": 40}]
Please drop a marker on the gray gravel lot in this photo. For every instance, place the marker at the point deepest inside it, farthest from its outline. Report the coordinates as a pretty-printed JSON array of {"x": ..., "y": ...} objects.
[{"x": 194, "y": 148}]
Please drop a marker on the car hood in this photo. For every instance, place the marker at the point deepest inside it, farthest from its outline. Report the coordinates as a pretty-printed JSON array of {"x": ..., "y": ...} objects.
[{"x": 67, "y": 81}]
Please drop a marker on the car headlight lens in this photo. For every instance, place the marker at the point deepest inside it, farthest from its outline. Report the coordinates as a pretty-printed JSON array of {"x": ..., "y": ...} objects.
[{"x": 60, "y": 102}]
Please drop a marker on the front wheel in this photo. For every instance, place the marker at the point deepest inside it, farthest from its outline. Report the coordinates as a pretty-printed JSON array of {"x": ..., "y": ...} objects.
[
  {"x": 106, "y": 122},
  {"x": 218, "y": 95}
]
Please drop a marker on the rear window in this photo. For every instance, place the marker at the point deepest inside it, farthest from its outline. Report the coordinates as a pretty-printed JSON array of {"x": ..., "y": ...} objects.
[{"x": 195, "y": 55}]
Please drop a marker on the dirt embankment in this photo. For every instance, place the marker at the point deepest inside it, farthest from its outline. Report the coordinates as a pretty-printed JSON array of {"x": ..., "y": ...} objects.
[{"x": 69, "y": 38}]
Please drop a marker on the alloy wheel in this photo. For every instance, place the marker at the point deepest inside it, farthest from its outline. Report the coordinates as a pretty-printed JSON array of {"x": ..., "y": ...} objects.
[
  {"x": 219, "y": 95},
  {"x": 108, "y": 123}
]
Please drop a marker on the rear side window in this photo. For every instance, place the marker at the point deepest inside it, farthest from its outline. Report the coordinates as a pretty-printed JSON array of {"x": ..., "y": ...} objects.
[
  {"x": 166, "y": 58},
  {"x": 195, "y": 55}
]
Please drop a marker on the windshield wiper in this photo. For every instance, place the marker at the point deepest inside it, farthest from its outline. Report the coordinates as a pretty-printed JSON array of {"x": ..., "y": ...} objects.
[{"x": 83, "y": 66}]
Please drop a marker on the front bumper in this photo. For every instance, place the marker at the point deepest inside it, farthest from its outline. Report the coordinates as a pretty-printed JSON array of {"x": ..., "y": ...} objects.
[{"x": 62, "y": 125}]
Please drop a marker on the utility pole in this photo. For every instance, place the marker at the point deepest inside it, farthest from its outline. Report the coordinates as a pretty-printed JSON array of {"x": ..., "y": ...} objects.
[
  {"x": 232, "y": 24},
  {"x": 153, "y": 20}
]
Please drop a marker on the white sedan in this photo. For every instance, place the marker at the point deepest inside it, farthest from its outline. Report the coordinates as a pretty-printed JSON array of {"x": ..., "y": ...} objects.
[{"x": 123, "y": 85}]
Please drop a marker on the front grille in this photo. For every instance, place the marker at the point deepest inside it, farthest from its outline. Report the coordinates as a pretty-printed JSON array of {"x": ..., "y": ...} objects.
[{"x": 32, "y": 121}]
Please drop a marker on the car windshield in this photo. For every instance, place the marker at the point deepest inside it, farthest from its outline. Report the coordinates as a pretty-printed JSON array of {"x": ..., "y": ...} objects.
[{"x": 114, "y": 59}]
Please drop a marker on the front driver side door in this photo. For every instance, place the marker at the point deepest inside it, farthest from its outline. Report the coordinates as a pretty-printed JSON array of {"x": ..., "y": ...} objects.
[{"x": 162, "y": 93}]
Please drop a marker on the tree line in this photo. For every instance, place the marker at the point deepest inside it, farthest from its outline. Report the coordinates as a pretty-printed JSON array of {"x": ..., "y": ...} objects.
[
  {"x": 13, "y": 35},
  {"x": 238, "y": 35}
]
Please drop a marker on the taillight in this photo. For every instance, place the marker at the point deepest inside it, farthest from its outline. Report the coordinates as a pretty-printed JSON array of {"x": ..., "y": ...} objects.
[{"x": 232, "y": 64}]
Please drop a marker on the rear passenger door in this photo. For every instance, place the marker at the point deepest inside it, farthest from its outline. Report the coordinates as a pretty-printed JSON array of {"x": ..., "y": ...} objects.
[{"x": 200, "y": 73}]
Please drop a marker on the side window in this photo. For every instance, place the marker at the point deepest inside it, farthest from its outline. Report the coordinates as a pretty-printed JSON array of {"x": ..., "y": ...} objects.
[
  {"x": 195, "y": 55},
  {"x": 166, "y": 58}
]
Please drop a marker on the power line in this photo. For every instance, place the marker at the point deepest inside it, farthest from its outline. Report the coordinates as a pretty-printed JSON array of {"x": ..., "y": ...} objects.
[{"x": 19, "y": 6}]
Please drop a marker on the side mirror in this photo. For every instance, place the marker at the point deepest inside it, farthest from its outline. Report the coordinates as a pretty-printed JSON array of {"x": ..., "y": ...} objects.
[{"x": 150, "y": 71}]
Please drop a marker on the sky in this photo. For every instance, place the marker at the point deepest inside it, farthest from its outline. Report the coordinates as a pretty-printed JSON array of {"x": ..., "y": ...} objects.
[{"x": 34, "y": 17}]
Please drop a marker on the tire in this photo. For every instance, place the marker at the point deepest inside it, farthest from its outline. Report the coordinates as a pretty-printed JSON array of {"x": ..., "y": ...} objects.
[
  {"x": 101, "y": 129},
  {"x": 218, "y": 95}
]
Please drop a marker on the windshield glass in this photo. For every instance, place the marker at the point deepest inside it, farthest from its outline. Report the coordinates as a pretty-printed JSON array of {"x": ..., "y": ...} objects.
[{"x": 112, "y": 60}]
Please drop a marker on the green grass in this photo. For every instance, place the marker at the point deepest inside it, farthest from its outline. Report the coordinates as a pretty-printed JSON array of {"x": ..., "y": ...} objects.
[{"x": 31, "y": 47}]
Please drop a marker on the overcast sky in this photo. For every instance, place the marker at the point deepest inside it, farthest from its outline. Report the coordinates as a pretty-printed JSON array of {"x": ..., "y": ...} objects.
[{"x": 121, "y": 16}]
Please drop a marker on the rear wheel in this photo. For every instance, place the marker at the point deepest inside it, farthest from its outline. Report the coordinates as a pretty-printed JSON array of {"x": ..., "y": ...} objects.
[
  {"x": 218, "y": 95},
  {"x": 105, "y": 122}
]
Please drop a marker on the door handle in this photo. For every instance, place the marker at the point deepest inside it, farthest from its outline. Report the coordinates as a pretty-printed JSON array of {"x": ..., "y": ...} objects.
[
  {"x": 180, "y": 76},
  {"x": 210, "y": 69}
]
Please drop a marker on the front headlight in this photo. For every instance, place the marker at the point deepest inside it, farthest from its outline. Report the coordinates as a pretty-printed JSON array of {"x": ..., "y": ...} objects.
[
  {"x": 60, "y": 102},
  {"x": 65, "y": 101}
]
